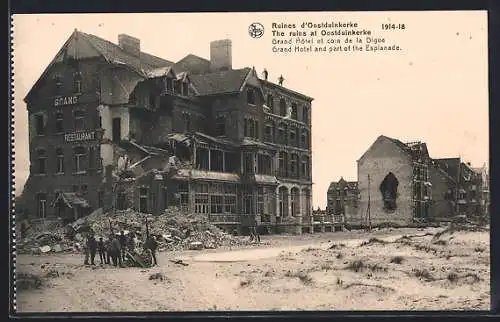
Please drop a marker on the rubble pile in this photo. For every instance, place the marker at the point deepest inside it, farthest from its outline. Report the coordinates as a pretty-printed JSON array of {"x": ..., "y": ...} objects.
[{"x": 174, "y": 231}]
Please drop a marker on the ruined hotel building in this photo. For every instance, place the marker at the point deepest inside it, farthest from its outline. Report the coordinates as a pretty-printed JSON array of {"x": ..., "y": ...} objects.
[
  {"x": 113, "y": 127},
  {"x": 399, "y": 183}
]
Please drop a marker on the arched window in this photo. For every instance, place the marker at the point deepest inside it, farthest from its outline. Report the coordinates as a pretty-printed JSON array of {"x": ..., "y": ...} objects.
[{"x": 389, "y": 190}]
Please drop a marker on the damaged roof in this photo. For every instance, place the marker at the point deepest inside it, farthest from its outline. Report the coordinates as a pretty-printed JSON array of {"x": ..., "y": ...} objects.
[
  {"x": 220, "y": 82},
  {"x": 351, "y": 185},
  {"x": 71, "y": 199},
  {"x": 193, "y": 64}
]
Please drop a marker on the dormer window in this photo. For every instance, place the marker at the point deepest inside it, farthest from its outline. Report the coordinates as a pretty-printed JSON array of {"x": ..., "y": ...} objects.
[
  {"x": 250, "y": 96},
  {"x": 178, "y": 87},
  {"x": 77, "y": 82},
  {"x": 169, "y": 85},
  {"x": 185, "y": 88}
]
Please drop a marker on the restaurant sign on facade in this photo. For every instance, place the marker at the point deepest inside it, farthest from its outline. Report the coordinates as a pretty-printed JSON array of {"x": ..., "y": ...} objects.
[
  {"x": 66, "y": 100},
  {"x": 79, "y": 136}
]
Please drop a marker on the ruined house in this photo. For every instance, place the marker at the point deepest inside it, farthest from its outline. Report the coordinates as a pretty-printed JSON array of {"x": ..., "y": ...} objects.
[
  {"x": 342, "y": 200},
  {"x": 113, "y": 127},
  {"x": 393, "y": 183},
  {"x": 400, "y": 183}
]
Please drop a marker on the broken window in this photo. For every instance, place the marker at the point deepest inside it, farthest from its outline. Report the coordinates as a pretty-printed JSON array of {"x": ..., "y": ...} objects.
[
  {"x": 251, "y": 128},
  {"x": 257, "y": 130},
  {"x": 285, "y": 134},
  {"x": 41, "y": 200},
  {"x": 282, "y": 107},
  {"x": 39, "y": 124},
  {"x": 59, "y": 122},
  {"x": 169, "y": 85},
  {"x": 41, "y": 162},
  {"x": 178, "y": 87},
  {"x": 202, "y": 161},
  {"x": 216, "y": 203},
  {"x": 250, "y": 96},
  {"x": 185, "y": 89},
  {"x": 60, "y": 160},
  {"x": 269, "y": 132},
  {"x": 260, "y": 200},
  {"x": 220, "y": 126},
  {"x": 79, "y": 119},
  {"x": 295, "y": 201},
  {"x": 216, "y": 160},
  {"x": 230, "y": 198},
  {"x": 183, "y": 193},
  {"x": 92, "y": 158},
  {"x": 389, "y": 190},
  {"x": 116, "y": 129},
  {"x": 294, "y": 111},
  {"x": 293, "y": 136}
]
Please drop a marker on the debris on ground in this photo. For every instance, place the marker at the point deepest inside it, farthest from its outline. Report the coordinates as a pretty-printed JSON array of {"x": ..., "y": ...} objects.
[
  {"x": 174, "y": 230},
  {"x": 179, "y": 262}
]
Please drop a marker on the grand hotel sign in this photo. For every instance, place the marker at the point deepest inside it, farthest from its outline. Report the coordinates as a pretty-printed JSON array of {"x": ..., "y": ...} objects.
[{"x": 65, "y": 100}]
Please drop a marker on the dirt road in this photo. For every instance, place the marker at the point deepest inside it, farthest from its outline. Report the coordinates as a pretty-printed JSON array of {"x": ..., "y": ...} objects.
[{"x": 419, "y": 271}]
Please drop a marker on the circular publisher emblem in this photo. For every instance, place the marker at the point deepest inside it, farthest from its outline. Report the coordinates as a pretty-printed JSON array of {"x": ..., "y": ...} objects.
[{"x": 256, "y": 30}]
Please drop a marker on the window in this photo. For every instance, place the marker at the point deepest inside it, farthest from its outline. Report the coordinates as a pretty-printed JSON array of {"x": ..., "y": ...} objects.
[
  {"x": 79, "y": 119},
  {"x": 264, "y": 164},
  {"x": 121, "y": 200},
  {"x": 60, "y": 160},
  {"x": 250, "y": 96},
  {"x": 58, "y": 83},
  {"x": 170, "y": 85},
  {"x": 283, "y": 160},
  {"x": 100, "y": 198},
  {"x": 185, "y": 89},
  {"x": 79, "y": 159},
  {"x": 39, "y": 124},
  {"x": 305, "y": 114},
  {"x": 41, "y": 200},
  {"x": 294, "y": 165},
  {"x": 143, "y": 200},
  {"x": 260, "y": 200},
  {"x": 294, "y": 111},
  {"x": 59, "y": 122},
  {"x": 217, "y": 203},
  {"x": 85, "y": 189},
  {"x": 178, "y": 87},
  {"x": 304, "y": 167},
  {"x": 92, "y": 158},
  {"x": 41, "y": 162},
  {"x": 201, "y": 199},
  {"x": 245, "y": 130},
  {"x": 282, "y": 107},
  {"x": 216, "y": 160},
  {"x": 269, "y": 132},
  {"x": 281, "y": 135},
  {"x": 74, "y": 188},
  {"x": 304, "y": 140},
  {"x": 116, "y": 129},
  {"x": 285, "y": 134},
  {"x": 257, "y": 130},
  {"x": 187, "y": 122},
  {"x": 220, "y": 126},
  {"x": 248, "y": 163},
  {"x": 270, "y": 101},
  {"x": 293, "y": 137},
  {"x": 78, "y": 82},
  {"x": 152, "y": 100}
]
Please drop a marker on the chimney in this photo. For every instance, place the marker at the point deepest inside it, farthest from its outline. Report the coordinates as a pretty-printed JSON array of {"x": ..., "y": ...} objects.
[
  {"x": 129, "y": 44},
  {"x": 220, "y": 55}
]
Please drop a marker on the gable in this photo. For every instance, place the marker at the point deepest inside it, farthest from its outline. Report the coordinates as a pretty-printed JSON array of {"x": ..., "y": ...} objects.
[
  {"x": 193, "y": 64},
  {"x": 384, "y": 147},
  {"x": 253, "y": 80}
]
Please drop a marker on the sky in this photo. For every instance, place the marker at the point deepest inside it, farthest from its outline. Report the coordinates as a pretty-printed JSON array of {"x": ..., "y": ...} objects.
[{"x": 435, "y": 89}]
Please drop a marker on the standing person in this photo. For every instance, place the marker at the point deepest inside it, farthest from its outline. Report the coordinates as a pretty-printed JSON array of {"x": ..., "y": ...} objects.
[
  {"x": 123, "y": 244},
  {"x": 151, "y": 245},
  {"x": 86, "y": 250},
  {"x": 131, "y": 242},
  {"x": 101, "y": 248},
  {"x": 92, "y": 246},
  {"x": 109, "y": 250},
  {"x": 117, "y": 251}
]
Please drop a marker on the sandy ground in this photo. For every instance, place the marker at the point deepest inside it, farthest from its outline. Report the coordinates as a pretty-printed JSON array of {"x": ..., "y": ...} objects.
[{"x": 416, "y": 272}]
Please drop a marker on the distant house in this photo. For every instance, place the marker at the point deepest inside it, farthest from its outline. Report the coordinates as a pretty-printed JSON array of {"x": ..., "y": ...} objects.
[{"x": 342, "y": 197}]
